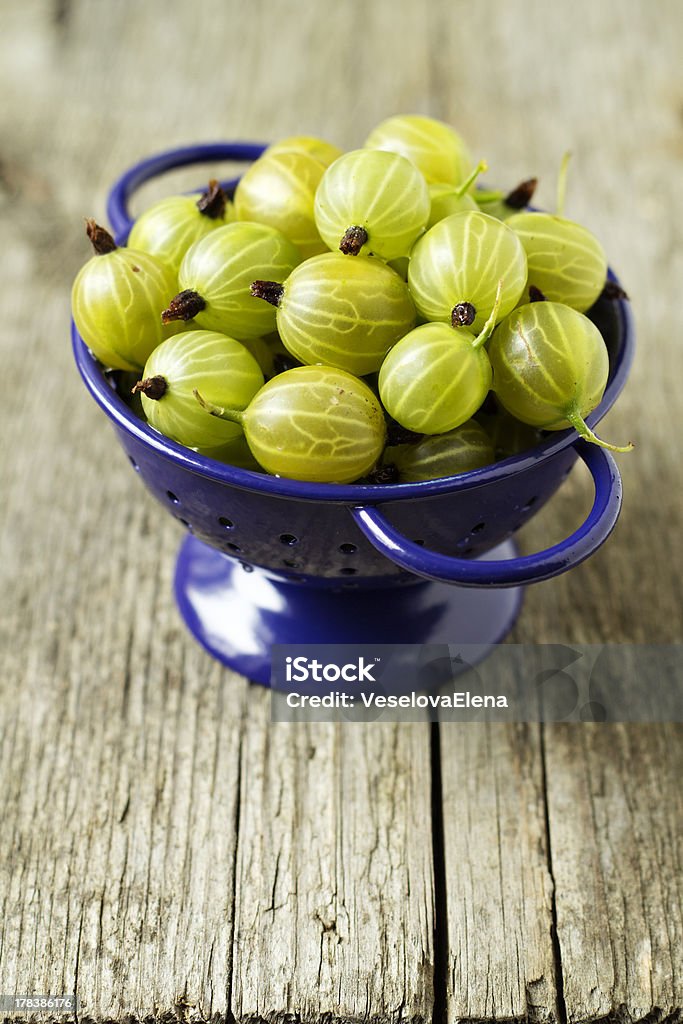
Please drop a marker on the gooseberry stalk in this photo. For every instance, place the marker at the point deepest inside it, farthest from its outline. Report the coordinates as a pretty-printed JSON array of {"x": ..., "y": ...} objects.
[
  {"x": 505, "y": 204},
  {"x": 446, "y": 200},
  {"x": 232, "y": 415},
  {"x": 481, "y": 168},
  {"x": 562, "y": 184},
  {"x": 573, "y": 416},
  {"x": 489, "y": 326}
]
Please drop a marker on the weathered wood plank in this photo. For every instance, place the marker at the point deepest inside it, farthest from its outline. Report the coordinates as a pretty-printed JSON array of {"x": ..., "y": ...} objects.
[
  {"x": 501, "y": 959},
  {"x": 119, "y": 740},
  {"x": 334, "y": 910},
  {"x": 616, "y": 824}
]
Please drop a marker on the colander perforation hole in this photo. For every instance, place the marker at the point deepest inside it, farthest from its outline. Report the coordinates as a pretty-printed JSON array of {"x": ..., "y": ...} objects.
[
  {"x": 478, "y": 528},
  {"x": 188, "y": 526},
  {"x": 530, "y": 503},
  {"x": 133, "y": 463},
  {"x": 226, "y": 523},
  {"x": 173, "y": 497},
  {"x": 420, "y": 543},
  {"x": 233, "y": 547},
  {"x": 289, "y": 539},
  {"x": 348, "y": 571},
  {"x": 290, "y": 564},
  {"x": 348, "y": 549}
]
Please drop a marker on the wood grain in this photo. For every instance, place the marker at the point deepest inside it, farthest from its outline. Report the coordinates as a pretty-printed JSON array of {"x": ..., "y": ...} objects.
[
  {"x": 501, "y": 958},
  {"x": 615, "y": 811},
  {"x": 334, "y": 911},
  {"x": 164, "y": 849}
]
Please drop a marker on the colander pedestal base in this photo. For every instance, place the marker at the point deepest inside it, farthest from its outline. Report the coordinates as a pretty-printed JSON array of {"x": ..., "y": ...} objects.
[{"x": 238, "y": 612}]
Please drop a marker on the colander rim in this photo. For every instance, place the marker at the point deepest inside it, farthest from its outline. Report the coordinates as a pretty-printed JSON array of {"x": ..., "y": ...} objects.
[{"x": 122, "y": 415}]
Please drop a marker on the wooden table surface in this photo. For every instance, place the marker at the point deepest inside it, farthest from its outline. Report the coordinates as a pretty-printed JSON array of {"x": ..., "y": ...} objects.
[{"x": 164, "y": 850}]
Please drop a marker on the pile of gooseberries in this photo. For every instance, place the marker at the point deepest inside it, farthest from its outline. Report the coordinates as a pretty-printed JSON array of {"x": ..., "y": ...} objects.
[{"x": 371, "y": 316}]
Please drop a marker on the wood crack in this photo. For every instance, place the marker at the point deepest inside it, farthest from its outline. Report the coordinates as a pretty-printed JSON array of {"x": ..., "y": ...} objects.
[
  {"x": 557, "y": 952},
  {"x": 440, "y": 979}
]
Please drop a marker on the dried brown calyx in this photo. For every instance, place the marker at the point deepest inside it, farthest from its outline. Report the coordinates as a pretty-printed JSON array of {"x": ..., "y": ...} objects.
[
  {"x": 463, "y": 315},
  {"x": 384, "y": 475},
  {"x": 613, "y": 291},
  {"x": 102, "y": 241},
  {"x": 212, "y": 202},
  {"x": 269, "y": 291},
  {"x": 184, "y": 306},
  {"x": 153, "y": 387},
  {"x": 521, "y": 196},
  {"x": 353, "y": 240},
  {"x": 398, "y": 434}
]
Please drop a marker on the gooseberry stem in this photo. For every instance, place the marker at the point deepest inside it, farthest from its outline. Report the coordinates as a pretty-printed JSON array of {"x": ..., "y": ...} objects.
[
  {"x": 353, "y": 240},
  {"x": 212, "y": 202},
  {"x": 102, "y": 241},
  {"x": 270, "y": 291},
  {"x": 574, "y": 417},
  {"x": 487, "y": 329},
  {"x": 184, "y": 306},
  {"x": 517, "y": 199},
  {"x": 485, "y": 196},
  {"x": 466, "y": 185},
  {"x": 233, "y": 415},
  {"x": 153, "y": 387},
  {"x": 562, "y": 183}
]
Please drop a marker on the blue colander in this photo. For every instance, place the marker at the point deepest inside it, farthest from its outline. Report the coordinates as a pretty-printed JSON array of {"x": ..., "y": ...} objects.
[{"x": 269, "y": 560}]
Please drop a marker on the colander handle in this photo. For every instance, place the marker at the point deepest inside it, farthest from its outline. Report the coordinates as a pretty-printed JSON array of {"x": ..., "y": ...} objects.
[
  {"x": 118, "y": 211},
  {"x": 511, "y": 572}
]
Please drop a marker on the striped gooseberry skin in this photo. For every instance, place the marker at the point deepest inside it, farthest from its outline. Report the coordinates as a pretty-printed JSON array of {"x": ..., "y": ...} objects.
[
  {"x": 383, "y": 193},
  {"x": 549, "y": 361},
  {"x": 168, "y": 228},
  {"x": 115, "y": 302},
  {"x": 316, "y": 423},
  {"x": 221, "y": 267},
  {"x": 321, "y": 150},
  {"x": 435, "y": 148},
  {"x": 462, "y": 259},
  {"x": 344, "y": 312},
  {"x": 497, "y": 208},
  {"x": 235, "y": 452},
  {"x": 509, "y": 436},
  {"x": 566, "y": 261},
  {"x": 220, "y": 368},
  {"x": 466, "y": 448},
  {"x": 445, "y": 201},
  {"x": 434, "y": 379},
  {"x": 279, "y": 190}
]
